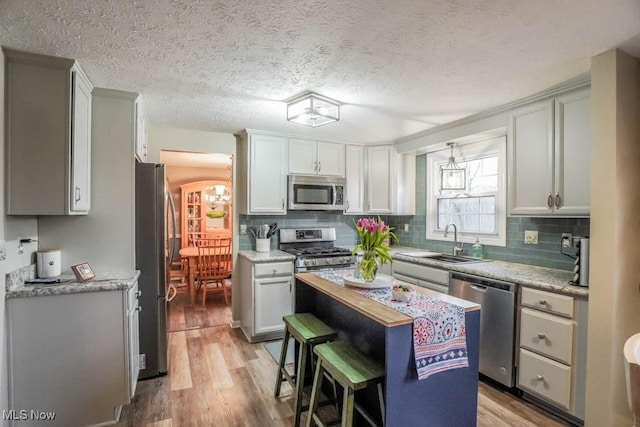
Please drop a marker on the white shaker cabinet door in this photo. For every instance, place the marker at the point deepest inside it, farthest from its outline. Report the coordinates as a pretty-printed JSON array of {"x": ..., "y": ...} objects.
[
  {"x": 273, "y": 299},
  {"x": 354, "y": 159},
  {"x": 573, "y": 154},
  {"x": 80, "y": 187},
  {"x": 330, "y": 158},
  {"x": 268, "y": 175},
  {"x": 530, "y": 136},
  {"x": 302, "y": 157},
  {"x": 380, "y": 180}
]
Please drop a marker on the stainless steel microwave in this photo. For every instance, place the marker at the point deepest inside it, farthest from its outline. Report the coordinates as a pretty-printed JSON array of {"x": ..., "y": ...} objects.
[{"x": 316, "y": 193}]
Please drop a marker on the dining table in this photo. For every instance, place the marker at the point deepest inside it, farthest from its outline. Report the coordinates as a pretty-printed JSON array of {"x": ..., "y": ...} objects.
[{"x": 191, "y": 254}]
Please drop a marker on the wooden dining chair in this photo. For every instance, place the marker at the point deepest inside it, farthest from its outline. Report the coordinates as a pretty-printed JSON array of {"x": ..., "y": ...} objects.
[{"x": 214, "y": 266}]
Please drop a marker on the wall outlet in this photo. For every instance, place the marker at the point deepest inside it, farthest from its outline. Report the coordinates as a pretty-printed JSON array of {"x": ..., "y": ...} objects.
[
  {"x": 406, "y": 228},
  {"x": 243, "y": 228},
  {"x": 3, "y": 250},
  {"x": 567, "y": 240},
  {"x": 142, "y": 361},
  {"x": 530, "y": 237}
]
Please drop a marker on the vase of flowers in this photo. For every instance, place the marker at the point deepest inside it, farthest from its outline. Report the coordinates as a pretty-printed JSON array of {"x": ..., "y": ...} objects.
[{"x": 373, "y": 252}]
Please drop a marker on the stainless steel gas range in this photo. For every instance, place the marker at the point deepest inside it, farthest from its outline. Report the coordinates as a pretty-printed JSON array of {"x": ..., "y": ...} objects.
[{"x": 315, "y": 249}]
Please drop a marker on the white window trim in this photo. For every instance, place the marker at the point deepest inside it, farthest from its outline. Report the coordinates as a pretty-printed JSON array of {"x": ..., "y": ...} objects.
[{"x": 465, "y": 152}]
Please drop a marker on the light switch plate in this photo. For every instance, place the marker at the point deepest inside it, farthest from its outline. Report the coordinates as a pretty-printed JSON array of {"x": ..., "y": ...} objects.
[
  {"x": 530, "y": 237},
  {"x": 3, "y": 250}
]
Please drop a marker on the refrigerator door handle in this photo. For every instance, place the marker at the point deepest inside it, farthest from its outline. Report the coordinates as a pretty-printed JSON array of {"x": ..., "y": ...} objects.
[{"x": 173, "y": 229}]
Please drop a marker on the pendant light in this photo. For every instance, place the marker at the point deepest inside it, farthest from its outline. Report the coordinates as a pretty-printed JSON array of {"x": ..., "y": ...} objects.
[{"x": 452, "y": 176}]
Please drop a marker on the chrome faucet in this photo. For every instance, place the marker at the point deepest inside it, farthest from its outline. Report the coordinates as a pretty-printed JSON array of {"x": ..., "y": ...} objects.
[{"x": 456, "y": 249}]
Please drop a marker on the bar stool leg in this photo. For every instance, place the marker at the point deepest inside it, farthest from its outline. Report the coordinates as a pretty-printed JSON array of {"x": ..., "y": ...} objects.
[
  {"x": 315, "y": 394},
  {"x": 302, "y": 364},
  {"x": 283, "y": 356},
  {"x": 347, "y": 407},
  {"x": 381, "y": 400}
]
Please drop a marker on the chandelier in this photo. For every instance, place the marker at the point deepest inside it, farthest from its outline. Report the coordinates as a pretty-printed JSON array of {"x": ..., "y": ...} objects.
[
  {"x": 452, "y": 176},
  {"x": 217, "y": 194},
  {"x": 313, "y": 110}
]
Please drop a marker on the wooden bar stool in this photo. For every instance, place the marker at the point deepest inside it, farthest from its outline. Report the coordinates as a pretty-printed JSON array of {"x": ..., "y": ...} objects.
[
  {"x": 309, "y": 331},
  {"x": 353, "y": 371}
]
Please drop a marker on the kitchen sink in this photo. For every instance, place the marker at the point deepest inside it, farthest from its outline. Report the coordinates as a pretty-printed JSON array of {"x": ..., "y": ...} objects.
[{"x": 453, "y": 259}]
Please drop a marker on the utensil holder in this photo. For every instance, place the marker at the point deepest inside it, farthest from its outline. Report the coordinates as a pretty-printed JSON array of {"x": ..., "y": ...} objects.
[{"x": 263, "y": 245}]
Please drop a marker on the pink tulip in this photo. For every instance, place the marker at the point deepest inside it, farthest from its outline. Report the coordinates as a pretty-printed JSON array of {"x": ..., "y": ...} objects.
[
  {"x": 359, "y": 223},
  {"x": 381, "y": 224},
  {"x": 373, "y": 227}
]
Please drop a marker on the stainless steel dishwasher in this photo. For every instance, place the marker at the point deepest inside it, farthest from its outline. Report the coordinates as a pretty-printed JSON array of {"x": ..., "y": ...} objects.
[{"x": 497, "y": 322}]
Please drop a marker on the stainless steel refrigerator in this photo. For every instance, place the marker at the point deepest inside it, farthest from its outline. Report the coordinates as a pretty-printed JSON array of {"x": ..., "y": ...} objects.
[{"x": 151, "y": 260}]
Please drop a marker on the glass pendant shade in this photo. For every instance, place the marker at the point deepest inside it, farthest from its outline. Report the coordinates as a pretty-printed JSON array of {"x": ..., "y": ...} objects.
[
  {"x": 452, "y": 176},
  {"x": 217, "y": 194},
  {"x": 313, "y": 110}
]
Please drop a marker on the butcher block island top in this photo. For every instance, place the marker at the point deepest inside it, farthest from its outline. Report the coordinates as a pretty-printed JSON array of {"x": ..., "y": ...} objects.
[{"x": 386, "y": 316}]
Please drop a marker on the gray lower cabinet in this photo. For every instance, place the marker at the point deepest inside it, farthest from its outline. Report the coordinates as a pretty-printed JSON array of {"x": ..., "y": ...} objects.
[
  {"x": 432, "y": 278},
  {"x": 552, "y": 353},
  {"x": 48, "y": 137},
  {"x": 267, "y": 294},
  {"x": 74, "y": 355}
]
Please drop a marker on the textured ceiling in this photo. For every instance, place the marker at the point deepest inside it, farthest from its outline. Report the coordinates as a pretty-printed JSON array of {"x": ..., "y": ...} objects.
[{"x": 398, "y": 66}]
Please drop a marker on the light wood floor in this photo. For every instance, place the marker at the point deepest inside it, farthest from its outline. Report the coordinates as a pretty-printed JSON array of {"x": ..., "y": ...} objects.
[{"x": 216, "y": 378}]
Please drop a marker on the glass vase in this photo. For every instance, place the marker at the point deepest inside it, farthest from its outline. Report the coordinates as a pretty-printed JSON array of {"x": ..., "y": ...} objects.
[{"x": 368, "y": 266}]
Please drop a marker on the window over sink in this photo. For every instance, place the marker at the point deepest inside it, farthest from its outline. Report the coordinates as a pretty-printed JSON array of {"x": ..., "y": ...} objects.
[{"x": 480, "y": 209}]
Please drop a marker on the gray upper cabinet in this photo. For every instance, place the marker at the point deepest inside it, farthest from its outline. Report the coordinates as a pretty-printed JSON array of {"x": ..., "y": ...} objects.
[
  {"x": 48, "y": 136},
  {"x": 390, "y": 181},
  {"x": 549, "y": 149},
  {"x": 316, "y": 157}
]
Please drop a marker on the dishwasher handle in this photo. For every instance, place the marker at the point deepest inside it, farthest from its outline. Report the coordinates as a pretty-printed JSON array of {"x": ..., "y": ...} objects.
[{"x": 482, "y": 283}]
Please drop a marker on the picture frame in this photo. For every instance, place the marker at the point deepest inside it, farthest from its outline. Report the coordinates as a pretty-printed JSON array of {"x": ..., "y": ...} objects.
[{"x": 83, "y": 271}]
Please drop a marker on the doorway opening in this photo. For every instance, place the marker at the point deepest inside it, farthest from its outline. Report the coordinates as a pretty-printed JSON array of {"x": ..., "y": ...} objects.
[{"x": 201, "y": 187}]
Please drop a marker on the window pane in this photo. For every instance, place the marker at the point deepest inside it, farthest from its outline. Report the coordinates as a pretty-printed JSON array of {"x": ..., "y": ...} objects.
[{"x": 470, "y": 214}]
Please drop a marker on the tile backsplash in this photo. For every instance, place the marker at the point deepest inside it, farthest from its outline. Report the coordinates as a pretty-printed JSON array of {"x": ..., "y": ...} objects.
[{"x": 545, "y": 254}]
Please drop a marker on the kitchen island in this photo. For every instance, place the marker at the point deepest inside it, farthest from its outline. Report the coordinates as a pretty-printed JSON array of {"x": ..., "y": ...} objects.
[{"x": 385, "y": 335}]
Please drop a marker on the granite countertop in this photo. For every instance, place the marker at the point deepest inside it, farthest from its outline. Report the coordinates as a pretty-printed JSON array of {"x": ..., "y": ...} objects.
[
  {"x": 547, "y": 279},
  {"x": 69, "y": 285},
  {"x": 273, "y": 255}
]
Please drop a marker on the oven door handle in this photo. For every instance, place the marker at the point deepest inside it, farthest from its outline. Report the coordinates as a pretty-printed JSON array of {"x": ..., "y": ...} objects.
[{"x": 334, "y": 192}]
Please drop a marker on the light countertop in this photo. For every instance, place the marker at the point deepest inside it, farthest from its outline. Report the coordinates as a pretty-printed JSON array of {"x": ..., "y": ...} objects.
[
  {"x": 548, "y": 279},
  {"x": 273, "y": 255},
  {"x": 69, "y": 285}
]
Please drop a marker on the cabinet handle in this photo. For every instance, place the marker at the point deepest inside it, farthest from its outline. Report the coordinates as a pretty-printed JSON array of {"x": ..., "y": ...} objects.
[
  {"x": 539, "y": 378},
  {"x": 315, "y": 166},
  {"x": 282, "y": 203},
  {"x": 347, "y": 205},
  {"x": 275, "y": 270},
  {"x": 139, "y": 308},
  {"x": 550, "y": 200},
  {"x": 542, "y": 302},
  {"x": 319, "y": 166},
  {"x": 541, "y": 335},
  {"x": 558, "y": 200},
  {"x": 138, "y": 294},
  {"x": 77, "y": 191},
  {"x": 290, "y": 283}
]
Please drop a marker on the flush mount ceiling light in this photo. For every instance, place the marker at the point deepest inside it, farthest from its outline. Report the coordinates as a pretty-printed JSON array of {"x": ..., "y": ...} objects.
[
  {"x": 452, "y": 176},
  {"x": 313, "y": 110}
]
